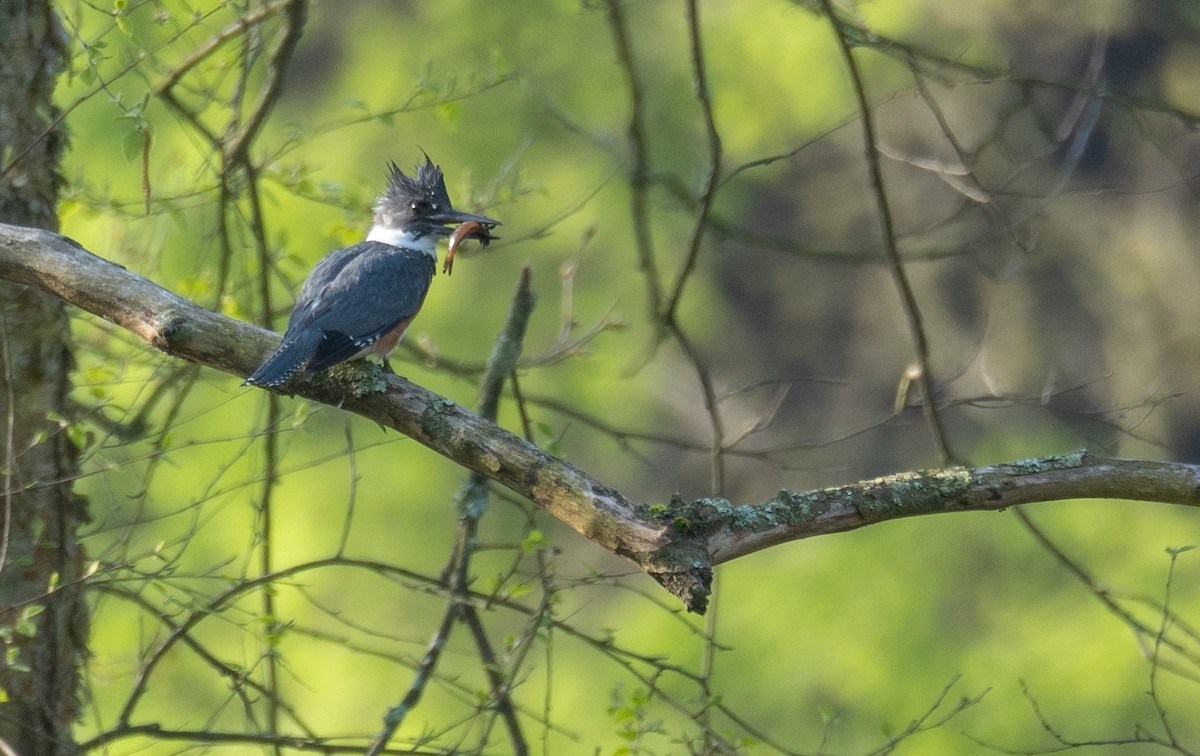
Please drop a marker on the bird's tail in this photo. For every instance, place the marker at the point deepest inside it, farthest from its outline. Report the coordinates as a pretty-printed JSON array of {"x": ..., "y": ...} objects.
[{"x": 284, "y": 362}]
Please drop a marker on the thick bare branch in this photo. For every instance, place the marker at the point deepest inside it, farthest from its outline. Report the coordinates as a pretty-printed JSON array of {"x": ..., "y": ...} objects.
[
  {"x": 677, "y": 543},
  {"x": 1079, "y": 475}
]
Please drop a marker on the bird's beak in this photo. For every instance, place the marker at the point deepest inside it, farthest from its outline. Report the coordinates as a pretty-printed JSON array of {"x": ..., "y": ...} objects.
[{"x": 457, "y": 217}]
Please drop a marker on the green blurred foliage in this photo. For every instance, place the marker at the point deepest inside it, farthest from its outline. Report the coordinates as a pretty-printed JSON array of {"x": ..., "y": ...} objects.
[{"x": 1086, "y": 336}]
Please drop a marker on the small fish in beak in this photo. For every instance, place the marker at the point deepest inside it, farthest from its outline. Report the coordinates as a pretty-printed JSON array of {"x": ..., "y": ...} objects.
[{"x": 482, "y": 232}]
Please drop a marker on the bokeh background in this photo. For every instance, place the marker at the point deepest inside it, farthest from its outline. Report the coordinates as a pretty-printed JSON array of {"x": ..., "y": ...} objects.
[{"x": 1040, "y": 162}]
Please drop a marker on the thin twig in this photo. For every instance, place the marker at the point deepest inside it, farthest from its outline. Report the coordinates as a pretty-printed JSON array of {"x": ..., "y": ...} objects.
[
  {"x": 522, "y": 408},
  {"x": 1140, "y": 629},
  {"x": 908, "y": 298},
  {"x": 699, "y": 227},
  {"x": 639, "y": 171},
  {"x": 9, "y": 471},
  {"x": 433, "y": 653},
  {"x": 501, "y": 693},
  {"x": 352, "y": 483},
  {"x": 472, "y": 504},
  {"x": 964, "y": 157},
  {"x": 713, "y": 168},
  {"x": 294, "y": 14},
  {"x": 236, "y": 676},
  {"x": 711, "y": 406},
  {"x": 1155, "y": 666}
]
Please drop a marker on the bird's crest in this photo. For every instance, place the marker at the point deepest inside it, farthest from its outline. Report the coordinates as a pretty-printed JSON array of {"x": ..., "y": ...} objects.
[{"x": 409, "y": 197}]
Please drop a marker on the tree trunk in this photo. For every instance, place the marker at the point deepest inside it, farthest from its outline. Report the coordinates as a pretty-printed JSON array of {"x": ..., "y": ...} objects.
[{"x": 43, "y": 620}]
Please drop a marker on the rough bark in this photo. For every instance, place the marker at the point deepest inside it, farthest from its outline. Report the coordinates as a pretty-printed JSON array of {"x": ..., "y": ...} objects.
[
  {"x": 42, "y": 618},
  {"x": 676, "y": 542}
]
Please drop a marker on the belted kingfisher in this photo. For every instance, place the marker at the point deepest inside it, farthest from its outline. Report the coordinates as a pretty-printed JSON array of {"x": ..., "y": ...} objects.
[{"x": 361, "y": 299}]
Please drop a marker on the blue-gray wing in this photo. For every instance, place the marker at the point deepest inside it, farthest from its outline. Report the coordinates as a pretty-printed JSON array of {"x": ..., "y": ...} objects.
[
  {"x": 350, "y": 299},
  {"x": 356, "y": 295}
]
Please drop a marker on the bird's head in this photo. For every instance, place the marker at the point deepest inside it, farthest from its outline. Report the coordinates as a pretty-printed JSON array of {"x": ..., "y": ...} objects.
[{"x": 419, "y": 205}]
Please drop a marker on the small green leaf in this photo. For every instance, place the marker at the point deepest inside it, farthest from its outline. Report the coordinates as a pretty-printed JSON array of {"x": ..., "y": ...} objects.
[
  {"x": 519, "y": 590},
  {"x": 533, "y": 540},
  {"x": 131, "y": 144}
]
